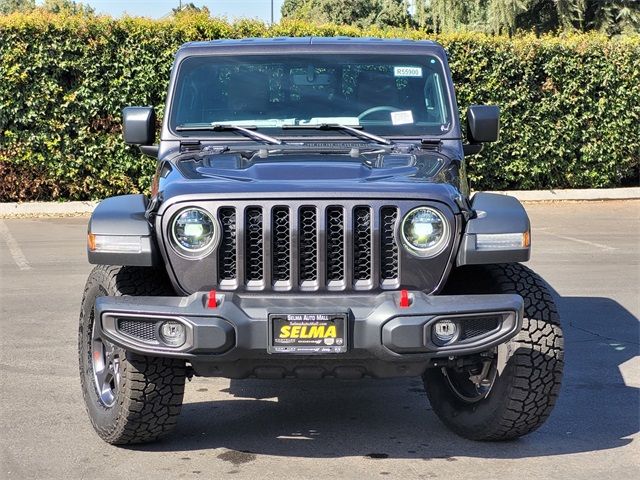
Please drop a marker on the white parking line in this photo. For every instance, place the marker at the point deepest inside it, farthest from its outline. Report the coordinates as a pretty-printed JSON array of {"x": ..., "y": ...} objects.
[
  {"x": 578, "y": 240},
  {"x": 14, "y": 248}
]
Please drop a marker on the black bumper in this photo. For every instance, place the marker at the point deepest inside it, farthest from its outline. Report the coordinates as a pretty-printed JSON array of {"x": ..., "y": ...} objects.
[{"x": 384, "y": 339}]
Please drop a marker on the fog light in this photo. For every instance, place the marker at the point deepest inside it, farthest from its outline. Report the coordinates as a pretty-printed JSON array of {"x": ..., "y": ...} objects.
[
  {"x": 444, "y": 331},
  {"x": 173, "y": 333}
]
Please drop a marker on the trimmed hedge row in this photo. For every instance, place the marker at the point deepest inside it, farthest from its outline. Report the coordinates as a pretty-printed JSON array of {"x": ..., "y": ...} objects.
[{"x": 570, "y": 105}]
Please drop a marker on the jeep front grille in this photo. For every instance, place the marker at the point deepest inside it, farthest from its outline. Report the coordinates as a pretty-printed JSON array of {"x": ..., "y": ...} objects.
[{"x": 308, "y": 247}]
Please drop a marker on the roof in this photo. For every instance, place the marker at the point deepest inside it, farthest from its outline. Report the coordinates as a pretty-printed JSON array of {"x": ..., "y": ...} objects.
[
  {"x": 307, "y": 41},
  {"x": 311, "y": 44}
]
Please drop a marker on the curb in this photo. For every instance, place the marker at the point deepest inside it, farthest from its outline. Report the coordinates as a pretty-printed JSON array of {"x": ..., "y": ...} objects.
[
  {"x": 44, "y": 209},
  {"x": 576, "y": 195}
]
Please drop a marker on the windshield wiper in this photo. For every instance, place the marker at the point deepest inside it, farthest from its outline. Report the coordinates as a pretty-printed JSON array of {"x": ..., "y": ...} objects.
[
  {"x": 345, "y": 128},
  {"x": 247, "y": 131}
]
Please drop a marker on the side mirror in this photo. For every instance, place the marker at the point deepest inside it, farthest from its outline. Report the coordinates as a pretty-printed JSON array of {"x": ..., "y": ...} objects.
[
  {"x": 483, "y": 123},
  {"x": 139, "y": 125}
]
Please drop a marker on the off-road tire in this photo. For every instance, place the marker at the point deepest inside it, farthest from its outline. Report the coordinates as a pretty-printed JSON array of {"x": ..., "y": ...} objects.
[
  {"x": 523, "y": 396},
  {"x": 149, "y": 397}
]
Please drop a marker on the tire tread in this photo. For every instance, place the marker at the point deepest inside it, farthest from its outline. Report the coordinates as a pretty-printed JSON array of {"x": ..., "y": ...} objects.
[
  {"x": 534, "y": 391},
  {"x": 534, "y": 369},
  {"x": 151, "y": 388}
]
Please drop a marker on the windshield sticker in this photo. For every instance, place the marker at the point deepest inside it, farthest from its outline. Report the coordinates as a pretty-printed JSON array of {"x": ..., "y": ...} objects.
[
  {"x": 407, "y": 71},
  {"x": 404, "y": 117}
]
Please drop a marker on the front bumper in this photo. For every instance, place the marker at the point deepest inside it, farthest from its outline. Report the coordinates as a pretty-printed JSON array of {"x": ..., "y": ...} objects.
[{"x": 383, "y": 339}]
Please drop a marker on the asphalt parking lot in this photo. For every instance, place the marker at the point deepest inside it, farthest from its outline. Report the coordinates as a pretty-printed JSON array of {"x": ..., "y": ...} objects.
[{"x": 588, "y": 252}]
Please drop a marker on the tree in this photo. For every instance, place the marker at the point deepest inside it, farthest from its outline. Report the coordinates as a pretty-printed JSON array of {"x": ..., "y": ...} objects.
[
  {"x": 295, "y": 9},
  {"x": 362, "y": 13},
  {"x": 188, "y": 9},
  {"x": 11, "y": 6},
  {"x": 451, "y": 15},
  {"x": 614, "y": 16},
  {"x": 393, "y": 13},
  {"x": 67, "y": 6},
  {"x": 502, "y": 15},
  {"x": 508, "y": 16}
]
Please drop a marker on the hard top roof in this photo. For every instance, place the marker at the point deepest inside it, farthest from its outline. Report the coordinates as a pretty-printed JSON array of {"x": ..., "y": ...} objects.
[{"x": 311, "y": 44}]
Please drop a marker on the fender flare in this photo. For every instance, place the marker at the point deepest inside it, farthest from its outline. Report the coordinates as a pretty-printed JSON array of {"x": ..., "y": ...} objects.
[
  {"x": 119, "y": 221},
  {"x": 495, "y": 215}
]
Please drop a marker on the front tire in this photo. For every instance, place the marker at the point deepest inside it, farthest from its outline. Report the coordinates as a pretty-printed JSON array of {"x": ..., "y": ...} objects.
[
  {"x": 524, "y": 379},
  {"x": 130, "y": 398}
]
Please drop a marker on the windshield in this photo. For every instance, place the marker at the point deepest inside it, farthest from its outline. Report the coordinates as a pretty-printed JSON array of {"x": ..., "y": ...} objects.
[{"x": 384, "y": 94}]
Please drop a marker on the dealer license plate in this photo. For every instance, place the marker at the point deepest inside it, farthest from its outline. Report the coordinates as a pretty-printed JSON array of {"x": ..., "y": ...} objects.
[{"x": 308, "y": 333}]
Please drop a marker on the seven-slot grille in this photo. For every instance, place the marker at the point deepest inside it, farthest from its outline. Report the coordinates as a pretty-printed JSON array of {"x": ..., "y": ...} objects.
[{"x": 308, "y": 247}]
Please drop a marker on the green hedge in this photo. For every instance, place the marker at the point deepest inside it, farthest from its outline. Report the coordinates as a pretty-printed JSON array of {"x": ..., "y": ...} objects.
[{"x": 570, "y": 105}]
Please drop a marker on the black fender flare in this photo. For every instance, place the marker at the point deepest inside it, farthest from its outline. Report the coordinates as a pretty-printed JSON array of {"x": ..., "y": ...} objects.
[
  {"x": 117, "y": 221},
  {"x": 495, "y": 214}
]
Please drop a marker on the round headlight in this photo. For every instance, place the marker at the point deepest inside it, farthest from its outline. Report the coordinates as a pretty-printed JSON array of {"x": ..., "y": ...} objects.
[
  {"x": 425, "y": 231},
  {"x": 193, "y": 231}
]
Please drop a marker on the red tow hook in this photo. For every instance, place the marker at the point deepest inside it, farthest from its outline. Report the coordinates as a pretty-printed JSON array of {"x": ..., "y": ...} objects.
[
  {"x": 212, "y": 301},
  {"x": 404, "y": 299}
]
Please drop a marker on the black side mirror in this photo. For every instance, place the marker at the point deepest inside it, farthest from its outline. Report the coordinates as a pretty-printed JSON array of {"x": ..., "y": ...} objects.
[
  {"x": 139, "y": 125},
  {"x": 483, "y": 123}
]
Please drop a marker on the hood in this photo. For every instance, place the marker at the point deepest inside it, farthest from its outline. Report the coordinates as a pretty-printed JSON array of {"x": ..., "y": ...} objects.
[{"x": 392, "y": 175}]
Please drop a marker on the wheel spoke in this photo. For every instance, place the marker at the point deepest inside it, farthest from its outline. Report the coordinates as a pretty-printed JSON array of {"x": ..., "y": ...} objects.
[
  {"x": 106, "y": 369},
  {"x": 116, "y": 372},
  {"x": 109, "y": 354},
  {"x": 101, "y": 378}
]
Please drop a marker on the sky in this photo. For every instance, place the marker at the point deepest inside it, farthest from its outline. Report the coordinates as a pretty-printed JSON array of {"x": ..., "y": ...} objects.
[{"x": 231, "y": 9}]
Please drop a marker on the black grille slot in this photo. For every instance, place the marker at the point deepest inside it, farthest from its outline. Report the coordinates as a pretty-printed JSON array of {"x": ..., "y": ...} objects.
[
  {"x": 227, "y": 258},
  {"x": 145, "y": 331},
  {"x": 308, "y": 244},
  {"x": 335, "y": 244},
  {"x": 362, "y": 243},
  {"x": 476, "y": 326},
  {"x": 389, "y": 247},
  {"x": 281, "y": 245},
  {"x": 253, "y": 244}
]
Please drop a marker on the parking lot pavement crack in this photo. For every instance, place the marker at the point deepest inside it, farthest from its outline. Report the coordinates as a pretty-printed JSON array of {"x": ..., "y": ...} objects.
[{"x": 595, "y": 334}]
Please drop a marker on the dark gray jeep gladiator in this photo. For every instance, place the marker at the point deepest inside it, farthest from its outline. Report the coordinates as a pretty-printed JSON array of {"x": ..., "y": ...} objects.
[{"x": 310, "y": 217}]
